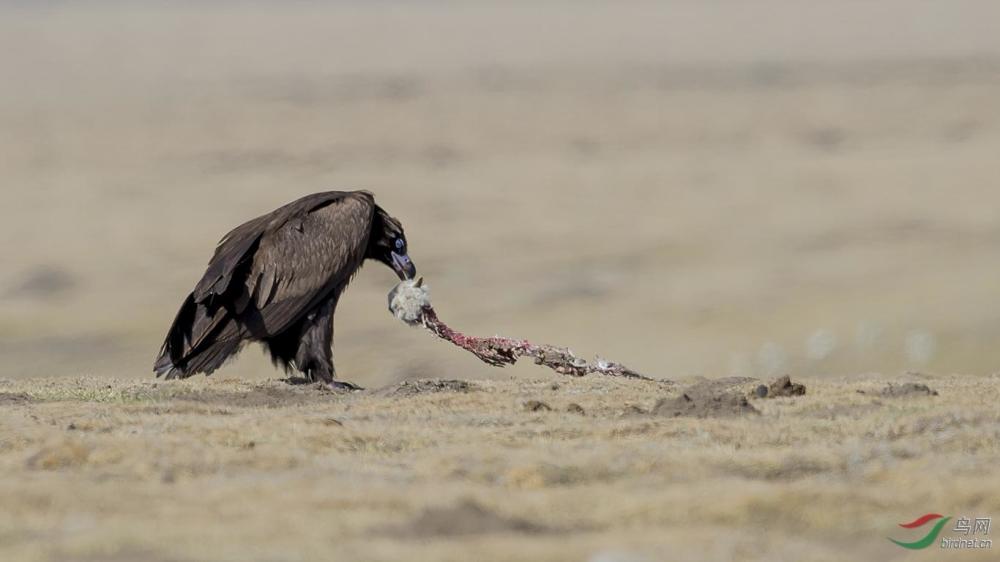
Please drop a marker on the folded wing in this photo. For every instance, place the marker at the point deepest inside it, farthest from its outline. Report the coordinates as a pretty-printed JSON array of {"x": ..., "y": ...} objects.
[{"x": 265, "y": 275}]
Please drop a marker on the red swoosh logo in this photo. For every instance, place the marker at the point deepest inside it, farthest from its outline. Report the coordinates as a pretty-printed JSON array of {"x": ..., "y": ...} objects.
[{"x": 921, "y": 521}]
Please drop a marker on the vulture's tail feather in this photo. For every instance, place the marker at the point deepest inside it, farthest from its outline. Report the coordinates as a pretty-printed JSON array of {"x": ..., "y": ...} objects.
[
  {"x": 207, "y": 359},
  {"x": 198, "y": 342}
]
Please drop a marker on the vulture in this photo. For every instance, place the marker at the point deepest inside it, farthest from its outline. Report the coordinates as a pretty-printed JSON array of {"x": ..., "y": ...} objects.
[{"x": 276, "y": 280}]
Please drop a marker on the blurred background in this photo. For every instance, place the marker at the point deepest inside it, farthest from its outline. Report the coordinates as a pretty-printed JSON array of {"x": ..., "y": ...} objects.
[{"x": 690, "y": 187}]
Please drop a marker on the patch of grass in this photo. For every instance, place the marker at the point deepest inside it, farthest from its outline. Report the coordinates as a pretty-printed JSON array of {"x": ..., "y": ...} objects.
[{"x": 105, "y": 395}]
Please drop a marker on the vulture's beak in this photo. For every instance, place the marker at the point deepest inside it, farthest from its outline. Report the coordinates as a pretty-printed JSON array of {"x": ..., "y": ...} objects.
[{"x": 403, "y": 267}]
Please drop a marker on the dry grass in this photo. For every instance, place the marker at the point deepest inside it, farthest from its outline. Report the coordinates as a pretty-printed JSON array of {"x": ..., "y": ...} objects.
[{"x": 100, "y": 469}]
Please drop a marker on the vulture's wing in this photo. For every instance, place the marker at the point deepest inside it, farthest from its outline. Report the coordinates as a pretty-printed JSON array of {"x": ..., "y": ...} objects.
[
  {"x": 238, "y": 246},
  {"x": 299, "y": 264}
]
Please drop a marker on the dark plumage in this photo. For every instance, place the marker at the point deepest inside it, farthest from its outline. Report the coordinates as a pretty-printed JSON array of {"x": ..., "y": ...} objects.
[{"x": 276, "y": 280}]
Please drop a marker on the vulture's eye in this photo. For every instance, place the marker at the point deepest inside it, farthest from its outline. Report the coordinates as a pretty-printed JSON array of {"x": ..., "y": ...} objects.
[{"x": 400, "y": 243}]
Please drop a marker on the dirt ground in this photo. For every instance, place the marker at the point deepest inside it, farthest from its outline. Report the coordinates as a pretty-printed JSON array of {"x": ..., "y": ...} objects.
[
  {"x": 557, "y": 469},
  {"x": 696, "y": 189}
]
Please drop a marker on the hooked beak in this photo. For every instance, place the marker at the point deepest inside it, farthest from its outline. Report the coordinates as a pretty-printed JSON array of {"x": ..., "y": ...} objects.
[{"x": 403, "y": 267}]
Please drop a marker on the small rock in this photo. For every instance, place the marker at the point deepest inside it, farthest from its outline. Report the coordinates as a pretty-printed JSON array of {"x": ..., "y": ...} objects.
[
  {"x": 576, "y": 409},
  {"x": 632, "y": 409},
  {"x": 536, "y": 406},
  {"x": 466, "y": 519},
  {"x": 783, "y": 386},
  {"x": 427, "y": 386},
  {"x": 907, "y": 389},
  {"x": 709, "y": 399},
  {"x": 760, "y": 391}
]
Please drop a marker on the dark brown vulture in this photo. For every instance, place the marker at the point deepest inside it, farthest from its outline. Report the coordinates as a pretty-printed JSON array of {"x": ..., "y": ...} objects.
[{"x": 276, "y": 280}]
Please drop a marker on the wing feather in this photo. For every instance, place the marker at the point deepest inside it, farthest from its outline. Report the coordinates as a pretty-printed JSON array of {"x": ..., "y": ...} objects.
[
  {"x": 264, "y": 291},
  {"x": 301, "y": 263},
  {"x": 238, "y": 246}
]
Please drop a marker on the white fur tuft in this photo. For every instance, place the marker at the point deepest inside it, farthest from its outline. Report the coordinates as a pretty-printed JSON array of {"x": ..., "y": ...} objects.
[{"x": 408, "y": 299}]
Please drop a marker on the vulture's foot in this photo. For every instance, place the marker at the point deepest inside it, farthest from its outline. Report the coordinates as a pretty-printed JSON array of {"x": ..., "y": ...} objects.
[{"x": 342, "y": 385}]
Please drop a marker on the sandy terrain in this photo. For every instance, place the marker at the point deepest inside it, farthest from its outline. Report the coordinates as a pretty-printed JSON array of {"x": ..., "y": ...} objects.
[
  {"x": 104, "y": 469},
  {"x": 712, "y": 188}
]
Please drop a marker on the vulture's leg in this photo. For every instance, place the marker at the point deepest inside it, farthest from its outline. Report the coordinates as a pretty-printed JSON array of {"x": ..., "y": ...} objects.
[{"x": 315, "y": 353}]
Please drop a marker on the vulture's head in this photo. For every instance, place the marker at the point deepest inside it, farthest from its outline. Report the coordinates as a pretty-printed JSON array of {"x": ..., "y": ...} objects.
[{"x": 387, "y": 244}]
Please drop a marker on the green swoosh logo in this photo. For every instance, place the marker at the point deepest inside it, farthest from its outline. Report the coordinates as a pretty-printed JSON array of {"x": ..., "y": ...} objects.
[{"x": 926, "y": 541}]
